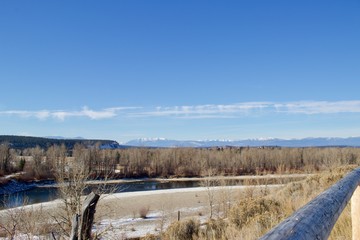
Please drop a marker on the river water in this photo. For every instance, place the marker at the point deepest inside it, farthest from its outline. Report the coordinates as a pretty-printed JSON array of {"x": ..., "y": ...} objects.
[
  {"x": 47, "y": 193},
  {"x": 44, "y": 192}
]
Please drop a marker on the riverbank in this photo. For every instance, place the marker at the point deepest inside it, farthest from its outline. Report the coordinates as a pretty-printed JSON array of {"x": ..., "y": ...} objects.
[
  {"x": 51, "y": 183},
  {"x": 118, "y": 215},
  {"x": 13, "y": 186},
  {"x": 16, "y": 193}
]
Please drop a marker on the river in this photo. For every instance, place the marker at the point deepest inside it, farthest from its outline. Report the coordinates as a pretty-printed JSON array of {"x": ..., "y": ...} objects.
[
  {"x": 50, "y": 192},
  {"x": 47, "y": 191}
]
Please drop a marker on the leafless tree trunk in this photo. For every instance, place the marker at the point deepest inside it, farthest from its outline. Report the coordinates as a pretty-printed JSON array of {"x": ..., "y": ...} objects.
[{"x": 87, "y": 218}]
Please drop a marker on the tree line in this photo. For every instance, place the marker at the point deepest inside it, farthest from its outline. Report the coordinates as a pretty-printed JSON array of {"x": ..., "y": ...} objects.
[
  {"x": 191, "y": 162},
  {"x": 40, "y": 163},
  {"x": 24, "y": 142}
]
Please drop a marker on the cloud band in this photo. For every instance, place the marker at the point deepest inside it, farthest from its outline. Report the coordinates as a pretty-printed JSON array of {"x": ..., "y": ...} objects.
[{"x": 199, "y": 111}]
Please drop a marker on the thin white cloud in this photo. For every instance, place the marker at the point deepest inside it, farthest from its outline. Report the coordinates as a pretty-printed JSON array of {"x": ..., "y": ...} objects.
[
  {"x": 320, "y": 107},
  {"x": 42, "y": 115},
  {"x": 62, "y": 115},
  {"x": 252, "y": 108},
  {"x": 198, "y": 111},
  {"x": 206, "y": 111}
]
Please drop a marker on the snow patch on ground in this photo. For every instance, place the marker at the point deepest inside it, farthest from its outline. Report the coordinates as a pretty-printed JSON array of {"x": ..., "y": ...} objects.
[{"x": 129, "y": 227}]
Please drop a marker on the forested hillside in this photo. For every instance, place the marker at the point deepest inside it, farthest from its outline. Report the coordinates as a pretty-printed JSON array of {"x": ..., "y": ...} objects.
[{"x": 23, "y": 142}]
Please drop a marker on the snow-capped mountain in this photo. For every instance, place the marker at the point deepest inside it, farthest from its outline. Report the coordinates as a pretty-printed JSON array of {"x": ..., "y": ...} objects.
[{"x": 304, "y": 142}]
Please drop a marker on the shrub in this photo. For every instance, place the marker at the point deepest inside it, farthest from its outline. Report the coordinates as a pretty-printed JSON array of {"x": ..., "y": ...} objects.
[
  {"x": 143, "y": 212},
  {"x": 215, "y": 229},
  {"x": 183, "y": 230},
  {"x": 260, "y": 210}
]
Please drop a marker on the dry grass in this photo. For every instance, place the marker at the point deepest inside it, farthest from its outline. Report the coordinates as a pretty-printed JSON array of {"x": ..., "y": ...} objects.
[
  {"x": 25, "y": 222},
  {"x": 253, "y": 216},
  {"x": 183, "y": 230}
]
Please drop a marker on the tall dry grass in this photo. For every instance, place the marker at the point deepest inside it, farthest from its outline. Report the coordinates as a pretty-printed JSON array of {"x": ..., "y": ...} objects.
[{"x": 253, "y": 216}]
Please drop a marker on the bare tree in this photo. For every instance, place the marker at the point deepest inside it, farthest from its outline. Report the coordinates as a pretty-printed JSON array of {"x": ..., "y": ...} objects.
[
  {"x": 210, "y": 182},
  {"x": 5, "y": 158},
  {"x": 39, "y": 166},
  {"x": 71, "y": 174}
]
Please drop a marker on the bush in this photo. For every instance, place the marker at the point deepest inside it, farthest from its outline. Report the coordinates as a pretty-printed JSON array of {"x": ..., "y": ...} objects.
[
  {"x": 143, "y": 212},
  {"x": 183, "y": 230},
  {"x": 215, "y": 229},
  {"x": 261, "y": 210}
]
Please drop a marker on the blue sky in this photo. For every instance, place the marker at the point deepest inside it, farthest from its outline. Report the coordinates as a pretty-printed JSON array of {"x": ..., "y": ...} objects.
[{"x": 180, "y": 69}]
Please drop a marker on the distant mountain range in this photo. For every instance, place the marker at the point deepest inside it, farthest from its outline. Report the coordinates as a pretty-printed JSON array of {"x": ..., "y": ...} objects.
[
  {"x": 21, "y": 142},
  {"x": 304, "y": 142}
]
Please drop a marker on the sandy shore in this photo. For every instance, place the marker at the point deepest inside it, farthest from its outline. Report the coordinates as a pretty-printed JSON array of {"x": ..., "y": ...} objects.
[{"x": 120, "y": 212}]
